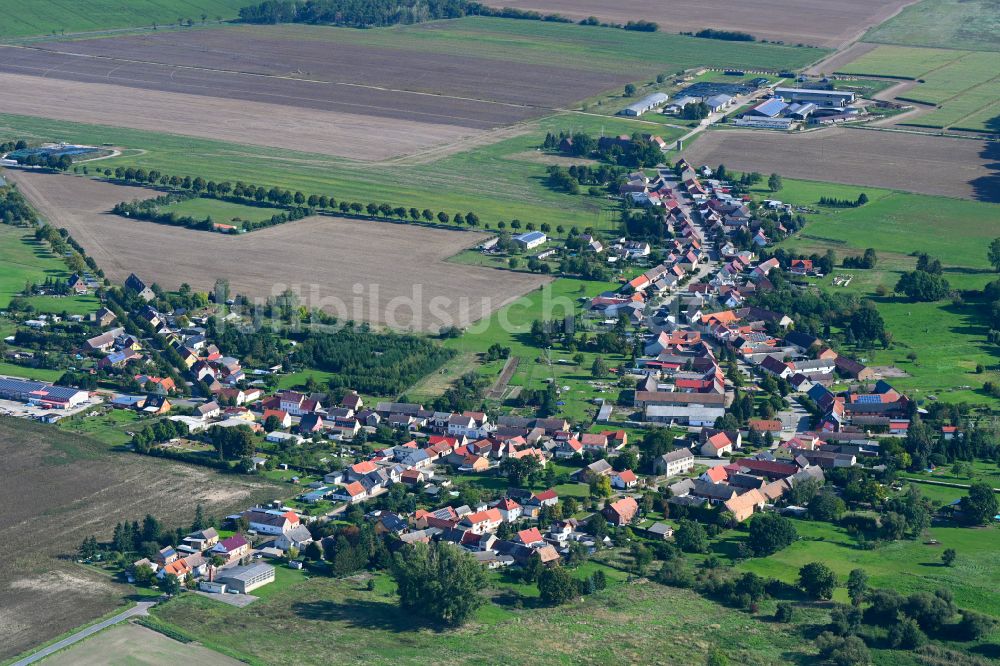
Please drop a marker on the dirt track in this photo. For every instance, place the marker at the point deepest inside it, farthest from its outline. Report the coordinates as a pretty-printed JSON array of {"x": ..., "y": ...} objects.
[
  {"x": 816, "y": 22},
  {"x": 380, "y": 272},
  {"x": 900, "y": 161}
]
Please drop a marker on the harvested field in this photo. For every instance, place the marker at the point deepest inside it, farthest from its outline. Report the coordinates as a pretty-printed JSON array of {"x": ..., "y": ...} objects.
[
  {"x": 347, "y": 135},
  {"x": 380, "y": 272},
  {"x": 893, "y": 160},
  {"x": 345, "y": 99},
  {"x": 178, "y": 60},
  {"x": 135, "y": 645},
  {"x": 59, "y": 488},
  {"x": 811, "y": 21}
]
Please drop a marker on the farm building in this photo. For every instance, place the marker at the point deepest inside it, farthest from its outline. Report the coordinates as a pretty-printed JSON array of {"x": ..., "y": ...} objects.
[
  {"x": 530, "y": 240},
  {"x": 645, "y": 104},
  {"x": 678, "y": 104},
  {"x": 823, "y": 98},
  {"x": 718, "y": 102},
  {"x": 695, "y": 415},
  {"x": 769, "y": 108},
  {"x": 246, "y": 579},
  {"x": 39, "y": 393}
]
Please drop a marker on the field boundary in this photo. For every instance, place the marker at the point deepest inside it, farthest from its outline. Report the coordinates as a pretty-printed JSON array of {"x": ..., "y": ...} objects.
[{"x": 500, "y": 386}]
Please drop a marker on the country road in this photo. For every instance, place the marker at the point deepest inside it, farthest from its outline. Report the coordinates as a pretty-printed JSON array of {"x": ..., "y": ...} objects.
[{"x": 140, "y": 609}]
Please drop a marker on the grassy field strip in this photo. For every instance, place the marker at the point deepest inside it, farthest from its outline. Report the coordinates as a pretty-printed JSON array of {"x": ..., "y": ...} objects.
[
  {"x": 974, "y": 24},
  {"x": 453, "y": 183},
  {"x": 965, "y": 85},
  {"x": 902, "y": 62},
  {"x": 559, "y": 44},
  {"x": 40, "y": 17}
]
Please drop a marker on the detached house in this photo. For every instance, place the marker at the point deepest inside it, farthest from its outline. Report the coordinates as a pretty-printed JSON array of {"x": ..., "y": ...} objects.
[
  {"x": 624, "y": 480},
  {"x": 621, "y": 512},
  {"x": 676, "y": 462},
  {"x": 266, "y": 521},
  {"x": 232, "y": 549}
]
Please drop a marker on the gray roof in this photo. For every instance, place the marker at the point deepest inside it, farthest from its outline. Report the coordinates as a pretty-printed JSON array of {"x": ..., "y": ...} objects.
[{"x": 246, "y": 573}]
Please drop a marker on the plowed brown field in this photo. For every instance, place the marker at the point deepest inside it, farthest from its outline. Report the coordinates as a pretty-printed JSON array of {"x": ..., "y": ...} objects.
[{"x": 384, "y": 273}]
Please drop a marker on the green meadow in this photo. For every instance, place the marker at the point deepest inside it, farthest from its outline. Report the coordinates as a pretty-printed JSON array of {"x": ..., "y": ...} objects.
[
  {"x": 564, "y": 44},
  {"x": 221, "y": 212},
  {"x": 937, "y": 345},
  {"x": 44, "y": 17},
  {"x": 907, "y": 566},
  {"x": 24, "y": 260},
  {"x": 969, "y": 24},
  {"x": 501, "y": 181},
  {"x": 964, "y": 85},
  {"x": 334, "y": 621}
]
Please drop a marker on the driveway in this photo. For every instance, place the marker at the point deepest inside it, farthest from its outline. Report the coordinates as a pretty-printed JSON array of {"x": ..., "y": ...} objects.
[{"x": 140, "y": 609}]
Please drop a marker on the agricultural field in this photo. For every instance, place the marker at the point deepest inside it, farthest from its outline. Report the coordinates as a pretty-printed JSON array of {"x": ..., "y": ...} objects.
[
  {"x": 134, "y": 644},
  {"x": 342, "y": 92},
  {"x": 449, "y": 178},
  {"x": 970, "y": 24},
  {"x": 43, "y": 17},
  {"x": 963, "y": 86},
  {"x": 948, "y": 340},
  {"x": 811, "y": 22},
  {"x": 331, "y": 620},
  {"x": 384, "y": 273},
  {"x": 60, "y": 483},
  {"x": 922, "y": 164}
]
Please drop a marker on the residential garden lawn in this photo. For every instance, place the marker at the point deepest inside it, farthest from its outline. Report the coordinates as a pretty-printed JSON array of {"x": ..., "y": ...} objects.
[
  {"x": 973, "y": 24},
  {"x": 20, "y": 19},
  {"x": 329, "y": 620},
  {"x": 110, "y": 428},
  {"x": 83, "y": 304},
  {"x": 907, "y": 566},
  {"x": 981, "y": 471},
  {"x": 949, "y": 339},
  {"x": 221, "y": 212}
]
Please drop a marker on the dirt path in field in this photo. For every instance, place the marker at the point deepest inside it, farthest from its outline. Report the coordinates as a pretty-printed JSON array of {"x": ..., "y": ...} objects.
[{"x": 498, "y": 388}]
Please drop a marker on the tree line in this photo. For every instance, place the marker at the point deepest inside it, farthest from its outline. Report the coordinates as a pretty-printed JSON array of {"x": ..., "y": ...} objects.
[
  {"x": 833, "y": 202},
  {"x": 380, "y": 13},
  {"x": 297, "y": 204}
]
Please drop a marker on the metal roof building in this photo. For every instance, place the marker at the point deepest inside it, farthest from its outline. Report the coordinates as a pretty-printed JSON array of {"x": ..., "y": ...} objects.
[
  {"x": 827, "y": 98},
  {"x": 530, "y": 239},
  {"x": 645, "y": 104},
  {"x": 770, "y": 108},
  {"x": 40, "y": 393},
  {"x": 245, "y": 579}
]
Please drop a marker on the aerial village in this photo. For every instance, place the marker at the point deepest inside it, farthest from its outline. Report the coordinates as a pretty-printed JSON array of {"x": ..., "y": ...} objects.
[{"x": 686, "y": 314}]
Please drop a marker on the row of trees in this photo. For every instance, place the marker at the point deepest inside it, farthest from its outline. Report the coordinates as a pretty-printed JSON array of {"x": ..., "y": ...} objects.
[
  {"x": 249, "y": 194},
  {"x": 377, "y": 13},
  {"x": 14, "y": 209},
  {"x": 833, "y": 202}
]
